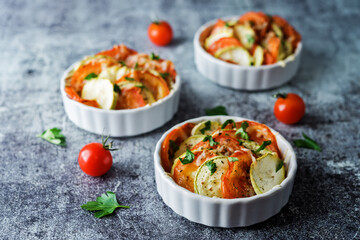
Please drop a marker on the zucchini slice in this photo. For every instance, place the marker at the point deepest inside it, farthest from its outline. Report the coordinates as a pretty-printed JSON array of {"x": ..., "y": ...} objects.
[
  {"x": 114, "y": 73},
  {"x": 188, "y": 144},
  {"x": 258, "y": 56},
  {"x": 101, "y": 90},
  {"x": 266, "y": 172},
  {"x": 246, "y": 35},
  {"x": 226, "y": 32},
  {"x": 205, "y": 128},
  {"x": 208, "y": 183},
  {"x": 235, "y": 54}
]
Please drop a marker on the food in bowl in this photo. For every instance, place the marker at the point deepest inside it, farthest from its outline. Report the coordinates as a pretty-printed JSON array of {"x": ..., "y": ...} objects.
[
  {"x": 223, "y": 159},
  {"x": 254, "y": 39},
  {"x": 120, "y": 78}
]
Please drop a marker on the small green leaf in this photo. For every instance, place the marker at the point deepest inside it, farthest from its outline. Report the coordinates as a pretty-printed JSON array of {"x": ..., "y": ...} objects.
[
  {"x": 242, "y": 131},
  {"x": 218, "y": 110},
  {"x": 263, "y": 146},
  {"x": 307, "y": 142},
  {"x": 153, "y": 56},
  {"x": 53, "y": 136},
  {"x": 211, "y": 166},
  {"x": 233, "y": 159},
  {"x": 189, "y": 157},
  {"x": 136, "y": 65},
  {"x": 207, "y": 127},
  {"x": 104, "y": 205},
  {"x": 117, "y": 88},
  {"x": 228, "y": 122},
  {"x": 91, "y": 76},
  {"x": 164, "y": 75},
  {"x": 279, "y": 166},
  {"x": 129, "y": 79},
  {"x": 227, "y": 25},
  {"x": 250, "y": 39},
  {"x": 122, "y": 63},
  {"x": 173, "y": 145},
  {"x": 211, "y": 140}
]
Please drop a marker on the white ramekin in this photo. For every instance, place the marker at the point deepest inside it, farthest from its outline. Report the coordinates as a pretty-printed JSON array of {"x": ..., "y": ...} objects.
[
  {"x": 249, "y": 78},
  {"x": 125, "y": 122},
  {"x": 227, "y": 213}
]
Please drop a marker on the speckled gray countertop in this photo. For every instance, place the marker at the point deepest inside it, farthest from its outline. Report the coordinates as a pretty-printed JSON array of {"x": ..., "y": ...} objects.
[{"x": 41, "y": 185}]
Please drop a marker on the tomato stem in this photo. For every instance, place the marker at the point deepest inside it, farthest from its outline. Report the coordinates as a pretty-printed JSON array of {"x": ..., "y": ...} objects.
[
  {"x": 280, "y": 95},
  {"x": 107, "y": 146}
]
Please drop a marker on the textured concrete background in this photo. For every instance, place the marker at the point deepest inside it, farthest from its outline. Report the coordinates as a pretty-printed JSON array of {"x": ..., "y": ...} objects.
[{"x": 41, "y": 185}]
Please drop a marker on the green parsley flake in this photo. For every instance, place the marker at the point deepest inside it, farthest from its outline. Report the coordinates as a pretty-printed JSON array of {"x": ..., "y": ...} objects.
[
  {"x": 117, "y": 88},
  {"x": 129, "y": 79},
  {"x": 189, "y": 157},
  {"x": 307, "y": 142},
  {"x": 173, "y": 145},
  {"x": 242, "y": 131},
  {"x": 233, "y": 159},
  {"x": 153, "y": 56},
  {"x": 207, "y": 127},
  {"x": 228, "y": 122},
  {"x": 211, "y": 140},
  {"x": 250, "y": 39},
  {"x": 279, "y": 166},
  {"x": 91, "y": 76},
  {"x": 164, "y": 75},
  {"x": 211, "y": 166},
  {"x": 263, "y": 146},
  {"x": 53, "y": 136}
]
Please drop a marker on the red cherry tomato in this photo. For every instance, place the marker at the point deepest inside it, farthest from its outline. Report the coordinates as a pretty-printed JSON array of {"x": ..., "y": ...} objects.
[
  {"x": 289, "y": 108},
  {"x": 95, "y": 158},
  {"x": 160, "y": 33}
]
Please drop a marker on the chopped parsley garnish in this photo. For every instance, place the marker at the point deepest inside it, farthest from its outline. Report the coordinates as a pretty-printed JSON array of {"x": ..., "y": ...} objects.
[
  {"x": 164, "y": 75},
  {"x": 122, "y": 63},
  {"x": 263, "y": 146},
  {"x": 207, "y": 127},
  {"x": 173, "y": 145},
  {"x": 279, "y": 166},
  {"x": 117, "y": 88},
  {"x": 218, "y": 110},
  {"x": 227, "y": 25},
  {"x": 53, "y": 136},
  {"x": 211, "y": 166},
  {"x": 129, "y": 79},
  {"x": 189, "y": 157},
  {"x": 136, "y": 65},
  {"x": 233, "y": 159},
  {"x": 307, "y": 142},
  {"x": 91, "y": 76},
  {"x": 242, "y": 131},
  {"x": 104, "y": 205},
  {"x": 250, "y": 39},
  {"x": 211, "y": 140},
  {"x": 228, "y": 122},
  {"x": 153, "y": 56}
]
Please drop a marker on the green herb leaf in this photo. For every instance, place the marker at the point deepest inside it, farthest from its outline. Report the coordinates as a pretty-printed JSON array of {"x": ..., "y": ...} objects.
[
  {"x": 227, "y": 25},
  {"x": 54, "y": 136},
  {"x": 122, "y": 63},
  {"x": 233, "y": 159},
  {"x": 104, "y": 205},
  {"x": 228, "y": 122},
  {"x": 91, "y": 76},
  {"x": 307, "y": 142},
  {"x": 164, "y": 75},
  {"x": 212, "y": 166},
  {"x": 173, "y": 145},
  {"x": 279, "y": 166},
  {"x": 153, "y": 56},
  {"x": 263, "y": 146},
  {"x": 117, "y": 88},
  {"x": 250, "y": 39},
  {"x": 129, "y": 79},
  {"x": 207, "y": 127},
  {"x": 189, "y": 157},
  {"x": 136, "y": 65},
  {"x": 211, "y": 140},
  {"x": 218, "y": 110},
  {"x": 242, "y": 131}
]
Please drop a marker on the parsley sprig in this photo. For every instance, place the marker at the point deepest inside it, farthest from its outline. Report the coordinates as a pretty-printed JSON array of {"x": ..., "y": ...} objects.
[
  {"x": 104, "y": 205},
  {"x": 91, "y": 76},
  {"x": 211, "y": 140},
  {"x": 263, "y": 146},
  {"x": 211, "y": 166},
  {"x": 153, "y": 56},
  {"x": 242, "y": 131},
  {"x": 173, "y": 145},
  {"x": 279, "y": 166},
  {"x": 53, "y": 136},
  {"x": 307, "y": 142},
  {"x": 207, "y": 127},
  {"x": 229, "y": 121},
  {"x": 218, "y": 110},
  {"x": 164, "y": 75},
  {"x": 189, "y": 157},
  {"x": 233, "y": 159}
]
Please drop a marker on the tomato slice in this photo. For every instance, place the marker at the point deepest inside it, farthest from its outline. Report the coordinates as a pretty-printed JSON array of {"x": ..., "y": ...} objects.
[
  {"x": 223, "y": 43},
  {"x": 273, "y": 45},
  {"x": 118, "y": 52},
  {"x": 235, "y": 183},
  {"x": 219, "y": 25},
  {"x": 259, "y": 133},
  {"x": 227, "y": 145},
  {"x": 177, "y": 135},
  {"x": 130, "y": 98},
  {"x": 155, "y": 84},
  {"x": 268, "y": 58},
  {"x": 258, "y": 18},
  {"x": 184, "y": 174}
]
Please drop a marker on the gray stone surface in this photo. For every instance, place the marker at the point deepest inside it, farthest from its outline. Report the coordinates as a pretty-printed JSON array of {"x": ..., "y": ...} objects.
[{"x": 41, "y": 185}]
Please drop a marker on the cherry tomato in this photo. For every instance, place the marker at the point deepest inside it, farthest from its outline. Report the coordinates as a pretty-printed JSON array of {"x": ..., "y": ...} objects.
[
  {"x": 95, "y": 158},
  {"x": 289, "y": 108},
  {"x": 160, "y": 33}
]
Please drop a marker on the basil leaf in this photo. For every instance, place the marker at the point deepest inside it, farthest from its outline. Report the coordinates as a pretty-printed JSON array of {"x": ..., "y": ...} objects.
[
  {"x": 218, "y": 110},
  {"x": 164, "y": 75},
  {"x": 211, "y": 140},
  {"x": 189, "y": 157},
  {"x": 91, "y": 76},
  {"x": 207, "y": 127},
  {"x": 129, "y": 79},
  {"x": 173, "y": 145},
  {"x": 117, "y": 88},
  {"x": 242, "y": 131},
  {"x": 211, "y": 166},
  {"x": 53, "y": 136},
  {"x": 153, "y": 56},
  {"x": 279, "y": 166},
  {"x": 228, "y": 122},
  {"x": 263, "y": 146},
  {"x": 233, "y": 159},
  {"x": 307, "y": 142}
]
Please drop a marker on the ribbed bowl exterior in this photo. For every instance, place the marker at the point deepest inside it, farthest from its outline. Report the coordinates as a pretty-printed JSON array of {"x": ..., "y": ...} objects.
[
  {"x": 121, "y": 123},
  {"x": 238, "y": 77},
  {"x": 226, "y": 213}
]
